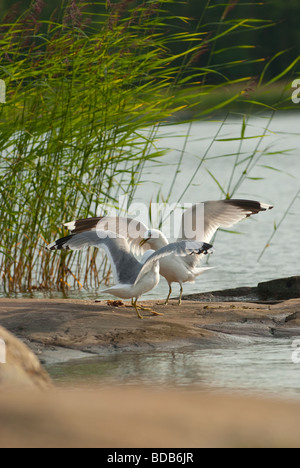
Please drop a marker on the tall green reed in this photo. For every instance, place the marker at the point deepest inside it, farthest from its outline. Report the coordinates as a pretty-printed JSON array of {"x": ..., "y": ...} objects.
[{"x": 86, "y": 97}]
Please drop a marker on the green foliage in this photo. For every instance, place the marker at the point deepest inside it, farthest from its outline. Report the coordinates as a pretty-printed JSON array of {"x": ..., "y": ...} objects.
[
  {"x": 71, "y": 129},
  {"x": 87, "y": 91}
]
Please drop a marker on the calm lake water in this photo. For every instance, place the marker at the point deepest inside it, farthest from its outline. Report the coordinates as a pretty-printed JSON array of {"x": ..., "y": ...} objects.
[
  {"x": 261, "y": 366},
  {"x": 236, "y": 256}
]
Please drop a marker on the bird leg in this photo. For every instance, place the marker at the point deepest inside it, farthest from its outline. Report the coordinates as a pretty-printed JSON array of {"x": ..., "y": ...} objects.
[
  {"x": 170, "y": 292},
  {"x": 180, "y": 297},
  {"x": 156, "y": 313},
  {"x": 140, "y": 307},
  {"x": 134, "y": 304},
  {"x": 145, "y": 309}
]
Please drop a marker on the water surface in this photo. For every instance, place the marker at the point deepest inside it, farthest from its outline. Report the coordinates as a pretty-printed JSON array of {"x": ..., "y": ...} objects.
[{"x": 248, "y": 365}]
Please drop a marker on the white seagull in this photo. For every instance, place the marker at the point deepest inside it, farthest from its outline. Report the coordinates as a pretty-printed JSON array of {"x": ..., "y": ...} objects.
[
  {"x": 208, "y": 216},
  {"x": 132, "y": 278}
]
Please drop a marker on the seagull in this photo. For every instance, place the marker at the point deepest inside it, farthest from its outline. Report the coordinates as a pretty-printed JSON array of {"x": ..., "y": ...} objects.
[
  {"x": 208, "y": 217},
  {"x": 132, "y": 278}
]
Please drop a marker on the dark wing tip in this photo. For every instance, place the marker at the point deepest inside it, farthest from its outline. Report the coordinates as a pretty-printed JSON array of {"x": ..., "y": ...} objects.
[
  {"x": 250, "y": 206},
  {"x": 204, "y": 250},
  {"x": 207, "y": 249},
  {"x": 83, "y": 225},
  {"x": 60, "y": 244}
]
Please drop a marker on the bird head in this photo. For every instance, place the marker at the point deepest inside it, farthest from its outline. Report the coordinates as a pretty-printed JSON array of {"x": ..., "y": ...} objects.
[{"x": 155, "y": 239}]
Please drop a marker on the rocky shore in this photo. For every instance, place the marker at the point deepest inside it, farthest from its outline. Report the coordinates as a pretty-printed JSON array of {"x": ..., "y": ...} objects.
[
  {"x": 58, "y": 330},
  {"x": 52, "y": 331}
]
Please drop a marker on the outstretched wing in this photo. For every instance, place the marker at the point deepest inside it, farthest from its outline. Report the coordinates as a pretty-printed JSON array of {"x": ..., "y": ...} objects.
[
  {"x": 182, "y": 249},
  {"x": 129, "y": 228},
  {"x": 124, "y": 265},
  {"x": 200, "y": 222}
]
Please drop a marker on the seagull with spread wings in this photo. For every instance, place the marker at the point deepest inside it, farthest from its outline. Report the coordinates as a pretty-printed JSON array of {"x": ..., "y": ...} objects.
[
  {"x": 132, "y": 278},
  {"x": 176, "y": 269},
  {"x": 217, "y": 214}
]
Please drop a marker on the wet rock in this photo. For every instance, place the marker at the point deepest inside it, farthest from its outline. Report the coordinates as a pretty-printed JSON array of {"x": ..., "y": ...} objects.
[
  {"x": 19, "y": 367},
  {"x": 249, "y": 329},
  {"x": 245, "y": 294},
  {"x": 57, "y": 330},
  {"x": 281, "y": 289},
  {"x": 268, "y": 292},
  {"x": 295, "y": 318}
]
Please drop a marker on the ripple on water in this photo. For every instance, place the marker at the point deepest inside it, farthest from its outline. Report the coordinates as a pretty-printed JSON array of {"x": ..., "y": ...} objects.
[{"x": 243, "y": 364}]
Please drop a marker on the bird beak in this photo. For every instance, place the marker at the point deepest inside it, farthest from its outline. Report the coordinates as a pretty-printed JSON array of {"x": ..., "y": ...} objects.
[{"x": 143, "y": 242}]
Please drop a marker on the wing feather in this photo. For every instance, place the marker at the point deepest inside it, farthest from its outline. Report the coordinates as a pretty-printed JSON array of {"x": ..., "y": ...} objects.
[
  {"x": 129, "y": 228},
  {"x": 125, "y": 266},
  {"x": 202, "y": 220},
  {"x": 182, "y": 249}
]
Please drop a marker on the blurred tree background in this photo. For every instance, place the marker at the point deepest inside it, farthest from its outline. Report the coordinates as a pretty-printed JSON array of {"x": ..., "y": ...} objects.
[{"x": 282, "y": 35}]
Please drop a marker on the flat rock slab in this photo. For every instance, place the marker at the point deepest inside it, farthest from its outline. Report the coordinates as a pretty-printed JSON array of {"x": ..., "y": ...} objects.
[{"x": 79, "y": 328}]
